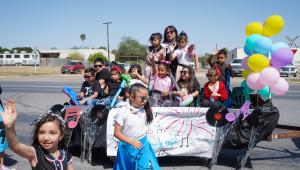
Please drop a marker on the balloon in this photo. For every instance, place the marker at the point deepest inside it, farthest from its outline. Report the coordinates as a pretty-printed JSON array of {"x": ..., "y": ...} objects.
[
  {"x": 250, "y": 41},
  {"x": 245, "y": 63},
  {"x": 257, "y": 62},
  {"x": 277, "y": 46},
  {"x": 245, "y": 73},
  {"x": 253, "y": 81},
  {"x": 265, "y": 93},
  {"x": 281, "y": 87},
  {"x": 273, "y": 25},
  {"x": 263, "y": 45},
  {"x": 244, "y": 84},
  {"x": 247, "y": 51},
  {"x": 269, "y": 76},
  {"x": 254, "y": 28},
  {"x": 281, "y": 57}
]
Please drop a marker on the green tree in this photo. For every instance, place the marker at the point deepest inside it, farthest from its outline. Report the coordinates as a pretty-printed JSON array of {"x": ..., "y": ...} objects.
[
  {"x": 130, "y": 47},
  {"x": 102, "y": 47},
  {"x": 75, "y": 56},
  {"x": 82, "y": 37},
  {"x": 92, "y": 57},
  {"x": 2, "y": 50},
  {"x": 19, "y": 49}
]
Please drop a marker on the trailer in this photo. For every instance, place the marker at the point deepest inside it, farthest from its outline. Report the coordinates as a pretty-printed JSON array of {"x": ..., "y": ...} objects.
[{"x": 20, "y": 59}]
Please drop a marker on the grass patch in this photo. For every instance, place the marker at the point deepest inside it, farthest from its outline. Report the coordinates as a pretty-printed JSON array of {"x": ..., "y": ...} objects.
[
  {"x": 28, "y": 70},
  {"x": 294, "y": 80}
]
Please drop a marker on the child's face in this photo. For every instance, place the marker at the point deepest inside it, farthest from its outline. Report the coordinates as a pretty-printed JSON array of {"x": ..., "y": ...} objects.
[
  {"x": 182, "y": 43},
  {"x": 171, "y": 35},
  {"x": 98, "y": 66},
  {"x": 115, "y": 76},
  {"x": 212, "y": 77},
  {"x": 133, "y": 73},
  {"x": 185, "y": 75},
  {"x": 140, "y": 98},
  {"x": 221, "y": 58},
  {"x": 162, "y": 71},
  {"x": 89, "y": 77},
  {"x": 155, "y": 42},
  {"x": 49, "y": 135}
]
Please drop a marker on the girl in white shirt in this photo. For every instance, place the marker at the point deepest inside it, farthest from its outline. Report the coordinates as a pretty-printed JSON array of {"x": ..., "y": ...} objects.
[
  {"x": 184, "y": 54},
  {"x": 134, "y": 150}
]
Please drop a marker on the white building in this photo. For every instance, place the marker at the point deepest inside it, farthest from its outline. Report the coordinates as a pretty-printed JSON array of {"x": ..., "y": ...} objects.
[
  {"x": 56, "y": 53},
  {"x": 20, "y": 58},
  {"x": 239, "y": 53}
]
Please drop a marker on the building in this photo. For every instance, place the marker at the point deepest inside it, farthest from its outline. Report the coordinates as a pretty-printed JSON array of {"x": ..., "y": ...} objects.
[
  {"x": 239, "y": 54},
  {"x": 57, "y": 53}
]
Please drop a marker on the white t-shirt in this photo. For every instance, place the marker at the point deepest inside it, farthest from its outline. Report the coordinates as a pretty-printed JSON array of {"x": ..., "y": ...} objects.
[
  {"x": 182, "y": 56},
  {"x": 133, "y": 121}
]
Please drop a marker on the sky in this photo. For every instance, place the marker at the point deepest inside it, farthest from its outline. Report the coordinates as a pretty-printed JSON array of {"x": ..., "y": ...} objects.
[{"x": 47, "y": 24}]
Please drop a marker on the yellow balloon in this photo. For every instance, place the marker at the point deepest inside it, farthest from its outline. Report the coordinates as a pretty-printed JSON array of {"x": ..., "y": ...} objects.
[
  {"x": 245, "y": 73},
  {"x": 254, "y": 28},
  {"x": 258, "y": 62},
  {"x": 273, "y": 25}
]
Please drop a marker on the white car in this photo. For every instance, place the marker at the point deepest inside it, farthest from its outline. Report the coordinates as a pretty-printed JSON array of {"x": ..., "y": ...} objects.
[
  {"x": 289, "y": 70},
  {"x": 237, "y": 67}
]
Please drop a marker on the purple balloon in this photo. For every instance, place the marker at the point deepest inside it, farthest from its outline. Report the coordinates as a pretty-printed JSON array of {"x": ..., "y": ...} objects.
[
  {"x": 245, "y": 63},
  {"x": 282, "y": 57}
]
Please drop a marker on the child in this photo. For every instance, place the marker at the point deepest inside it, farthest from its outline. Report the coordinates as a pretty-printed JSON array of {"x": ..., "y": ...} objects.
[
  {"x": 135, "y": 72},
  {"x": 156, "y": 51},
  {"x": 102, "y": 73},
  {"x": 90, "y": 90},
  {"x": 3, "y": 141},
  {"x": 221, "y": 66},
  {"x": 162, "y": 85},
  {"x": 185, "y": 54},
  {"x": 48, "y": 148},
  {"x": 189, "y": 86},
  {"x": 112, "y": 87},
  {"x": 214, "y": 90},
  {"x": 134, "y": 150}
]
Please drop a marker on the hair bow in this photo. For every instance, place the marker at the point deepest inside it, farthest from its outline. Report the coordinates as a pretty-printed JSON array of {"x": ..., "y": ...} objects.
[
  {"x": 116, "y": 68},
  {"x": 165, "y": 62}
]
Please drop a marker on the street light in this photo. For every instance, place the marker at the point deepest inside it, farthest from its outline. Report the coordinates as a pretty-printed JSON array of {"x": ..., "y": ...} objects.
[{"x": 107, "y": 23}]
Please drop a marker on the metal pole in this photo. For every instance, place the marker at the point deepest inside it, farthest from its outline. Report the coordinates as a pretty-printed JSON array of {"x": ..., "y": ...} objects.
[{"x": 107, "y": 30}]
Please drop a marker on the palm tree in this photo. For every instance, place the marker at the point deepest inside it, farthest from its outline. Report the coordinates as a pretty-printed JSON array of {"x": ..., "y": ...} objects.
[{"x": 82, "y": 37}]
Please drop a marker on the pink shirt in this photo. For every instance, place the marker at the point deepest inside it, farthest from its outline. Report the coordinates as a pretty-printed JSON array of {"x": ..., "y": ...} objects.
[{"x": 161, "y": 84}]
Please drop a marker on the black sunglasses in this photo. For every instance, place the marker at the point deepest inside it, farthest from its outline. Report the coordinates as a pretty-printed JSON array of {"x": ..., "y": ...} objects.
[
  {"x": 144, "y": 98},
  {"x": 96, "y": 66},
  {"x": 184, "y": 72},
  {"x": 87, "y": 77}
]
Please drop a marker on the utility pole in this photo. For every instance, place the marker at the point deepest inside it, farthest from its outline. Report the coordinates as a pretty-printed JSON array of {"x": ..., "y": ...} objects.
[{"x": 107, "y": 29}]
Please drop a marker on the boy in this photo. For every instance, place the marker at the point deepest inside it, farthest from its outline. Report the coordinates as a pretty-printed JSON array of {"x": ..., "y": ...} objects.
[
  {"x": 90, "y": 89},
  {"x": 221, "y": 66}
]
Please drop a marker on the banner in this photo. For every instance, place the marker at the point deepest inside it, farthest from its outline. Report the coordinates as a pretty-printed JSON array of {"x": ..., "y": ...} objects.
[{"x": 174, "y": 131}]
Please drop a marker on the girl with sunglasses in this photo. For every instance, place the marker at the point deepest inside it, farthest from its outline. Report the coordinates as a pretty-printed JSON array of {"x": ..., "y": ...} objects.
[
  {"x": 214, "y": 90},
  {"x": 131, "y": 120}
]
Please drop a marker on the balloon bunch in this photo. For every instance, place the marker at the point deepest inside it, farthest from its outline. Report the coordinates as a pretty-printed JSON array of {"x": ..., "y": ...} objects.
[{"x": 265, "y": 58}]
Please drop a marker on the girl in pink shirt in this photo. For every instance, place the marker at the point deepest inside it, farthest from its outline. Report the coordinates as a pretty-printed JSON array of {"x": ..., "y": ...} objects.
[{"x": 162, "y": 85}]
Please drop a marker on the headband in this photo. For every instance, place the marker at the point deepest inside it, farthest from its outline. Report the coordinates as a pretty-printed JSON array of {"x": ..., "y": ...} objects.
[
  {"x": 116, "y": 68},
  {"x": 42, "y": 116},
  {"x": 165, "y": 62}
]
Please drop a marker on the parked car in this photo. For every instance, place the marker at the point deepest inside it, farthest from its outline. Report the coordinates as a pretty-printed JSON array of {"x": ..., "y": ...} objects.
[
  {"x": 288, "y": 70},
  {"x": 237, "y": 66},
  {"x": 72, "y": 67},
  {"x": 125, "y": 66}
]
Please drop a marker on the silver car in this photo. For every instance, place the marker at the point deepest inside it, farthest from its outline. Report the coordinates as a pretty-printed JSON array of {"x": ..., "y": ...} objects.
[
  {"x": 289, "y": 70},
  {"x": 237, "y": 66}
]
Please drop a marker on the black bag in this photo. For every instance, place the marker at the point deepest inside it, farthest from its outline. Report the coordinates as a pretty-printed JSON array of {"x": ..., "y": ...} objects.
[{"x": 264, "y": 118}]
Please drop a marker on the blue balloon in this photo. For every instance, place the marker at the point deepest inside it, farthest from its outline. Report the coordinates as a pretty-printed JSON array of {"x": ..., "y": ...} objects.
[
  {"x": 250, "y": 41},
  {"x": 247, "y": 51},
  {"x": 263, "y": 45},
  {"x": 278, "y": 45}
]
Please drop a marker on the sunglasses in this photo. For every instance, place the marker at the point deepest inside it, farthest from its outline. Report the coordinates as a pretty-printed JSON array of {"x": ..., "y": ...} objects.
[
  {"x": 170, "y": 32},
  {"x": 98, "y": 66},
  {"x": 144, "y": 98},
  {"x": 184, "y": 72},
  {"x": 87, "y": 77}
]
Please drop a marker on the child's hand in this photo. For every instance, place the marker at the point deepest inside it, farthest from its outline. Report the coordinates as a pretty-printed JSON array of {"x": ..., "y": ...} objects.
[
  {"x": 136, "y": 144},
  {"x": 165, "y": 92},
  {"x": 9, "y": 115},
  {"x": 79, "y": 97},
  {"x": 172, "y": 47}
]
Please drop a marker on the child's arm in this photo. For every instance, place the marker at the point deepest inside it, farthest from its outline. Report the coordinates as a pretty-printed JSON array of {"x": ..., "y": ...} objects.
[
  {"x": 9, "y": 117},
  {"x": 143, "y": 79},
  {"x": 94, "y": 96},
  {"x": 70, "y": 167},
  {"x": 119, "y": 135},
  {"x": 154, "y": 69}
]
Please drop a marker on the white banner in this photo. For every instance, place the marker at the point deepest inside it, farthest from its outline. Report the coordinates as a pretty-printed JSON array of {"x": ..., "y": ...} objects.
[{"x": 175, "y": 131}]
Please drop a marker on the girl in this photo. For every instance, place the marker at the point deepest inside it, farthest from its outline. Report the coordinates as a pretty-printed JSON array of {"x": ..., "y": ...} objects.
[
  {"x": 214, "y": 90},
  {"x": 112, "y": 87},
  {"x": 48, "y": 148},
  {"x": 135, "y": 72},
  {"x": 156, "y": 51},
  {"x": 189, "y": 86},
  {"x": 185, "y": 54},
  {"x": 134, "y": 150},
  {"x": 162, "y": 85}
]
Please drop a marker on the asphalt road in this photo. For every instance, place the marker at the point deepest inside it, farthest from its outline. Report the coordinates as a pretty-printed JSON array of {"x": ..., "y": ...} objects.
[{"x": 34, "y": 95}]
